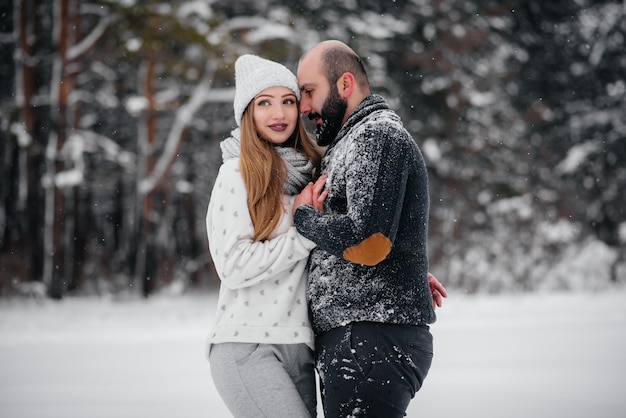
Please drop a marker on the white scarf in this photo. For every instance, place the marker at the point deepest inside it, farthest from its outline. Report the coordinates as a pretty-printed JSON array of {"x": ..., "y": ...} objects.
[{"x": 299, "y": 167}]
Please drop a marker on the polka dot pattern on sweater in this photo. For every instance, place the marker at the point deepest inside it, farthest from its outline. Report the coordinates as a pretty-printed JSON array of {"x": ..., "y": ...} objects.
[{"x": 262, "y": 291}]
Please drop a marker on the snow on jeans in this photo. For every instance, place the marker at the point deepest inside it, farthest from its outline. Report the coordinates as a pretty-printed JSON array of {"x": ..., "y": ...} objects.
[
  {"x": 265, "y": 380},
  {"x": 372, "y": 369}
]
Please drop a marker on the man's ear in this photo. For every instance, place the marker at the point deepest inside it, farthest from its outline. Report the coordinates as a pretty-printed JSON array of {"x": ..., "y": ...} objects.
[{"x": 345, "y": 85}]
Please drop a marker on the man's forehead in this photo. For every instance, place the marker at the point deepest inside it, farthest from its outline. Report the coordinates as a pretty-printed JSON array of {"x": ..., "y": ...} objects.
[
  {"x": 308, "y": 76},
  {"x": 309, "y": 62}
]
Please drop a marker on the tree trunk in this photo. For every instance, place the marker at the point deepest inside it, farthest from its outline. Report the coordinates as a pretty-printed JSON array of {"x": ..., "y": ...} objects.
[
  {"x": 55, "y": 267},
  {"x": 146, "y": 258},
  {"x": 30, "y": 196}
]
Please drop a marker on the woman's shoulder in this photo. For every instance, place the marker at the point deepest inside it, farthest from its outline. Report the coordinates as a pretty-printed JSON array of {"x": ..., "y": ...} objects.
[
  {"x": 230, "y": 167},
  {"x": 229, "y": 175}
]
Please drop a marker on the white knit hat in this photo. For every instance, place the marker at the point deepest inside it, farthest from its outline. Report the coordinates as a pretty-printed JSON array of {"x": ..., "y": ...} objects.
[{"x": 254, "y": 74}]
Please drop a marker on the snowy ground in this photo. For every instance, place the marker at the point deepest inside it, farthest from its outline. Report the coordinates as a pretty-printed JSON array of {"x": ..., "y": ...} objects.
[{"x": 534, "y": 355}]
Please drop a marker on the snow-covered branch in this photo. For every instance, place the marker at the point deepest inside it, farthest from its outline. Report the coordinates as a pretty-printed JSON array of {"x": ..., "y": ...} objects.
[
  {"x": 182, "y": 119},
  {"x": 89, "y": 41}
]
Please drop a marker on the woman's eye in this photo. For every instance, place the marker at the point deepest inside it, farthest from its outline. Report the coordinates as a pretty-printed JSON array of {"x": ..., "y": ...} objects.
[
  {"x": 263, "y": 103},
  {"x": 289, "y": 101}
]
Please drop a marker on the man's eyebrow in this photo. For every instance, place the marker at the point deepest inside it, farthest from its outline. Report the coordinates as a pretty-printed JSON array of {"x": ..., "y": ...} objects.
[{"x": 306, "y": 85}]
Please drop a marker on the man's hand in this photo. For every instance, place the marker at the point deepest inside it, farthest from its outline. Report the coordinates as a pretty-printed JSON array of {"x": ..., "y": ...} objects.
[
  {"x": 313, "y": 194},
  {"x": 438, "y": 291}
]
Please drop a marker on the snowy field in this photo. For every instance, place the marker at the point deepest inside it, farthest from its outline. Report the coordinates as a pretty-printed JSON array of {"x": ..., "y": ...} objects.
[{"x": 535, "y": 355}]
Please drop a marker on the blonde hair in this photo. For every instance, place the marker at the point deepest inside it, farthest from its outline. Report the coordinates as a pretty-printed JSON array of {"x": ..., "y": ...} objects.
[{"x": 264, "y": 172}]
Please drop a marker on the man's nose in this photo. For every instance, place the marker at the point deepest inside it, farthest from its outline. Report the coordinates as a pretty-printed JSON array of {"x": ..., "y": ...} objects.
[{"x": 305, "y": 107}]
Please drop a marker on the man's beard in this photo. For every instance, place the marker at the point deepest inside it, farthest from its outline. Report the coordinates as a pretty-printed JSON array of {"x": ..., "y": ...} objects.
[{"x": 333, "y": 111}]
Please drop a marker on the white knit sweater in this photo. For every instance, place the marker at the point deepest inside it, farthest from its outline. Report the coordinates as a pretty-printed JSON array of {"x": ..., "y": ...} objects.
[{"x": 262, "y": 293}]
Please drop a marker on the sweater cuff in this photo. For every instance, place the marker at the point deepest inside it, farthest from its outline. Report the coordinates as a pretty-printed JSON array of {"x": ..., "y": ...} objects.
[{"x": 300, "y": 216}]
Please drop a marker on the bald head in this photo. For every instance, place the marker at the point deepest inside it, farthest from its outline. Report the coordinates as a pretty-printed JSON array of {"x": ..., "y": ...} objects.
[
  {"x": 336, "y": 58},
  {"x": 333, "y": 83}
]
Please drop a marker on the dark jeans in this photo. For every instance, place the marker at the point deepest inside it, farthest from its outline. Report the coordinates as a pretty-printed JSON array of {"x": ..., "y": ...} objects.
[{"x": 372, "y": 369}]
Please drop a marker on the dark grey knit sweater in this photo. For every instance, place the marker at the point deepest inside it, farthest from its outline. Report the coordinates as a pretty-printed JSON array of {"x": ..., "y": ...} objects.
[{"x": 371, "y": 262}]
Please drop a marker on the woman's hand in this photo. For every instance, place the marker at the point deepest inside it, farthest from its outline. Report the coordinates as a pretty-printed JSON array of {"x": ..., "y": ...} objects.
[
  {"x": 438, "y": 291},
  {"x": 313, "y": 194},
  {"x": 319, "y": 193}
]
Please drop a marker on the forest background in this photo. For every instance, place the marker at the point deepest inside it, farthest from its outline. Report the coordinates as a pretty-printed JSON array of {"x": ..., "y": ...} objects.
[{"x": 111, "y": 114}]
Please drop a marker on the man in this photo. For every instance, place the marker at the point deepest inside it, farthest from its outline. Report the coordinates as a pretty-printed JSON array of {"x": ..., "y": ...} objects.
[{"x": 368, "y": 292}]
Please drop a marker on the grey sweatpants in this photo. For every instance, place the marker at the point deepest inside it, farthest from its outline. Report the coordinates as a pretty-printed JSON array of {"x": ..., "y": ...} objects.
[{"x": 265, "y": 380}]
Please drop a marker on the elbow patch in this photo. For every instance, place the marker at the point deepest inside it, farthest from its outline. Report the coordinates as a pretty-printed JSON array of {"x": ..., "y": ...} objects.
[{"x": 370, "y": 251}]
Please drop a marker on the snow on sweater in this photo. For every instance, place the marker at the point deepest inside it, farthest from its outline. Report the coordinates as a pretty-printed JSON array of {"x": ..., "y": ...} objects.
[
  {"x": 262, "y": 294},
  {"x": 370, "y": 263}
]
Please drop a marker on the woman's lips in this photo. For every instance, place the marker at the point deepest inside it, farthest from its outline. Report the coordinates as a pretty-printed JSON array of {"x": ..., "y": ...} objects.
[{"x": 278, "y": 127}]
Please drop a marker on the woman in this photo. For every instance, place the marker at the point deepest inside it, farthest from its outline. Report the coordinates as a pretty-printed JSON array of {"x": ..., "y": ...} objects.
[{"x": 260, "y": 349}]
